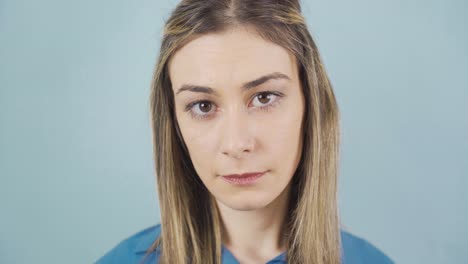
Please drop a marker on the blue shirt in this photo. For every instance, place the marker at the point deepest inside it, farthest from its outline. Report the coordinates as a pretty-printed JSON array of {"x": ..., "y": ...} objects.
[{"x": 131, "y": 250}]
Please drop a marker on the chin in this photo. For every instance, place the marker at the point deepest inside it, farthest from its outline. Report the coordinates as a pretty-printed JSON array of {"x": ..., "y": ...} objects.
[{"x": 246, "y": 202}]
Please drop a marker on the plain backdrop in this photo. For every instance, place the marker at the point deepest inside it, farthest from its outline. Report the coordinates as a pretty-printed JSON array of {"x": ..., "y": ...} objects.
[{"x": 75, "y": 141}]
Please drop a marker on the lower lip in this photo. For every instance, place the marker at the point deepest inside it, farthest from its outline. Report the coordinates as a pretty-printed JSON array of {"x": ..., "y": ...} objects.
[{"x": 244, "y": 180}]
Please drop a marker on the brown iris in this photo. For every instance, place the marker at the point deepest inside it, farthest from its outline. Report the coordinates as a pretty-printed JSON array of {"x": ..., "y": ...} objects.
[
  {"x": 205, "y": 106},
  {"x": 263, "y": 96}
]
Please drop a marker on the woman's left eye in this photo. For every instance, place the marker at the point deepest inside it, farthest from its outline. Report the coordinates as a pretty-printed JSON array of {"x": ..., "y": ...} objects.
[{"x": 264, "y": 98}]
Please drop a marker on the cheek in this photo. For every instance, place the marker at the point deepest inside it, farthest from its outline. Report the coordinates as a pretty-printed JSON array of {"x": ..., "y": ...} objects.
[
  {"x": 284, "y": 131},
  {"x": 199, "y": 144},
  {"x": 283, "y": 142},
  {"x": 286, "y": 147}
]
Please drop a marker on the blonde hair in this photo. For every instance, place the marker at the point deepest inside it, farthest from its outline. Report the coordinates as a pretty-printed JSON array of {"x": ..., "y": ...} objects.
[{"x": 191, "y": 228}]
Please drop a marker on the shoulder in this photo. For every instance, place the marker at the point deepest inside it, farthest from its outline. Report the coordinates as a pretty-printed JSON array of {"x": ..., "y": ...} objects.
[
  {"x": 358, "y": 250},
  {"x": 133, "y": 248}
]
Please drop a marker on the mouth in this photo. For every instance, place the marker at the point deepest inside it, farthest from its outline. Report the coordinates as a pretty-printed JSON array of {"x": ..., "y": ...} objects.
[{"x": 243, "y": 179}]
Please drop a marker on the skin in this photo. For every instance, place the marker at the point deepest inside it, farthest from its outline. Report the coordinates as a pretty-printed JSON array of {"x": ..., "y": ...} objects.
[{"x": 242, "y": 131}]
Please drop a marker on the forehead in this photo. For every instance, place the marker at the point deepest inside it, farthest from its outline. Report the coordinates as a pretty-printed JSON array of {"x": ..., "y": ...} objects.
[{"x": 228, "y": 59}]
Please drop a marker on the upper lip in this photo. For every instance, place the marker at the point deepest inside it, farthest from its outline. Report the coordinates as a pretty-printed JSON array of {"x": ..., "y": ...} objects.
[{"x": 248, "y": 174}]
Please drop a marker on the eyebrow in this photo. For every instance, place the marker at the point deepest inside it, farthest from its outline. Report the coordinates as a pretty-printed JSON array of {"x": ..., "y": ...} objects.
[{"x": 245, "y": 86}]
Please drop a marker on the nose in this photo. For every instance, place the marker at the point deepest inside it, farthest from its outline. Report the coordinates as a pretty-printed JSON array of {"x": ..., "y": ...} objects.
[{"x": 237, "y": 138}]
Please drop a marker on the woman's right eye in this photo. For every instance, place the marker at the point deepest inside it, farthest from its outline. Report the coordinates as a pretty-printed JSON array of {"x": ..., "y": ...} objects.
[{"x": 199, "y": 109}]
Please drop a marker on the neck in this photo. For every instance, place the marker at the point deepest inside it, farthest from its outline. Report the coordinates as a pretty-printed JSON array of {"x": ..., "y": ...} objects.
[{"x": 260, "y": 230}]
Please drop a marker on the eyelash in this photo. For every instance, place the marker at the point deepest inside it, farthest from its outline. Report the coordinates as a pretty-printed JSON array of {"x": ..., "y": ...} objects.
[{"x": 265, "y": 108}]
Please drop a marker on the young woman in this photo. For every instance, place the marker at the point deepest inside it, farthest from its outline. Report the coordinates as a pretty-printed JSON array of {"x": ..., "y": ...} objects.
[{"x": 246, "y": 143}]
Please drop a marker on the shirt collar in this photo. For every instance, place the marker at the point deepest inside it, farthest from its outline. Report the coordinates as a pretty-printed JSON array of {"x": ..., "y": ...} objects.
[
  {"x": 145, "y": 243},
  {"x": 227, "y": 257}
]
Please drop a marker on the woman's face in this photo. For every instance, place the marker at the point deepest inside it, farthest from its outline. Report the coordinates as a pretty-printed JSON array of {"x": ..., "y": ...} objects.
[{"x": 233, "y": 128}]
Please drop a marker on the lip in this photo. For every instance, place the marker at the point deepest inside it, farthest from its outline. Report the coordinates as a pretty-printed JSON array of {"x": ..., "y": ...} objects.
[{"x": 243, "y": 179}]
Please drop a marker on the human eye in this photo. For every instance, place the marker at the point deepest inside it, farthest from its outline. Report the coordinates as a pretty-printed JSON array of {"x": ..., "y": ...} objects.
[
  {"x": 199, "y": 109},
  {"x": 267, "y": 100}
]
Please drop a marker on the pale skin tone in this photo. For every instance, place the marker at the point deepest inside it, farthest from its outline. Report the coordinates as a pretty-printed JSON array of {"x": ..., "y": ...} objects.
[{"x": 235, "y": 130}]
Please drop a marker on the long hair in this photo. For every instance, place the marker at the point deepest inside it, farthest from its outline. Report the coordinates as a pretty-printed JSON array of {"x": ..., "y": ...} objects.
[{"x": 191, "y": 228}]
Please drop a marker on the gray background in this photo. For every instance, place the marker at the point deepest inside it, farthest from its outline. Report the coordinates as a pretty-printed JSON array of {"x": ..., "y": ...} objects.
[{"x": 75, "y": 142}]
